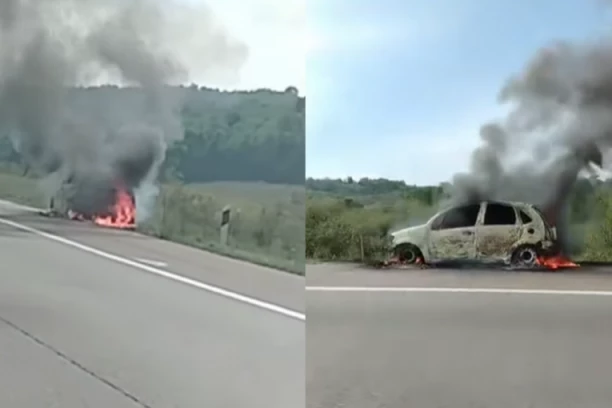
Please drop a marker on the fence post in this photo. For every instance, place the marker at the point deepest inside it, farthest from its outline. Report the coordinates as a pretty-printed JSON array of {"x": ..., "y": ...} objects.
[
  {"x": 225, "y": 221},
  {"x": 361, "y": 247}
]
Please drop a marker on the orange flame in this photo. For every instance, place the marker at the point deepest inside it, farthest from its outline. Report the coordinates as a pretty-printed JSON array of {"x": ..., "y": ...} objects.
[
  {"x": 556, "y": 262},
  {"x": 396, "y": 261},
  {"x": 123, "y": 212}
]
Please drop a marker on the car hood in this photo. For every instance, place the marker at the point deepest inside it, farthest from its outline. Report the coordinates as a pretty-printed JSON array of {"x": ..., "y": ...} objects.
[{"x": 414, "y": 235}]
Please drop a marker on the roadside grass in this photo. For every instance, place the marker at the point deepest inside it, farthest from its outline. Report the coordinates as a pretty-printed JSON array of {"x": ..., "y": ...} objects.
[
  {"x": 22, "y": 190},
  {"x": 266, "y": 227},
  {"x": 346, "y": 230},
  {"x": 342, "y": 229},
  {"x": 598, "y": 233}
]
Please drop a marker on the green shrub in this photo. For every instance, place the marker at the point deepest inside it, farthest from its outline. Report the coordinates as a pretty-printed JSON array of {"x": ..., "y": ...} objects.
[
  {"x": 342, "y": 230},
  {"x": 598, "y": 243},
  {"x": 269, "y": 232}
]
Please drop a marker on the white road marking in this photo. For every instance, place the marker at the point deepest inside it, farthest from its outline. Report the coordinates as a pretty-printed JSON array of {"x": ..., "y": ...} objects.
[
  {"x": 177, "y": 278},
  {"x": 235, "y": 261},
  {"x": 508, "y": 291},
  {"x": 157, "y": 264},
  {"x": 24, "y": 207}
]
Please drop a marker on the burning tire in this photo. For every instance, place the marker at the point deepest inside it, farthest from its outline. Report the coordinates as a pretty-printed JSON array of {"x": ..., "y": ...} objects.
[
  {"x": 408, "y": 254},
  {"x": 525, "y": 256}
]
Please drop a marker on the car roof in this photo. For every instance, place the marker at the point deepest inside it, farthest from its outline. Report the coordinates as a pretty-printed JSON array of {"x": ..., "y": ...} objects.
[
  {"x": 517, "y": 204},
  {"x": 513, "y": 203},
  {"x": 502, "y": 202}
]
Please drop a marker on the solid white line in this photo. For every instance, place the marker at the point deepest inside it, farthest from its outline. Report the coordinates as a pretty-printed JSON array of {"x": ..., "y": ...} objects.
[
  {"x": 177, "y": 278},
  {"x": 510, "y": 291},
  {"x": 235, "y": 261}
]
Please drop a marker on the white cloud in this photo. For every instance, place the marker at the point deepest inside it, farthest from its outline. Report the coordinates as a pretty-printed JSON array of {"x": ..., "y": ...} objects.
[
  {"x": 231, "y": 44},
  {"x": 275, "y": 34},
  {"x": 428, "y": 159},
  {"x": 365, "y": 35},
  {"x": 424, "y": 157},
  {"x": 442, "y": 150},
  {"x": 347, "y": 37}
]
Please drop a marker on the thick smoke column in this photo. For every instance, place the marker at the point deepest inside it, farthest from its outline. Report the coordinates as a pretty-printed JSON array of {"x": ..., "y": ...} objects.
[
  {"x": 47, "y": 47},
  {"x": 560, "y": 120}
]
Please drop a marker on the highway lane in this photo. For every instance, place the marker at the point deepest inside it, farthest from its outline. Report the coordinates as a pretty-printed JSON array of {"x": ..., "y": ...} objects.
[
  {"x": 273, "y": 286},
  {"x": 33, "y": 377},
  {"x": 80, "y": 330},
  {"x": 388, "y": 349}
]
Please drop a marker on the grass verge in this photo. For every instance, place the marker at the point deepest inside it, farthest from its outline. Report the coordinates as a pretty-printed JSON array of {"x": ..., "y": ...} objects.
[{"x": 267, "y": 224}]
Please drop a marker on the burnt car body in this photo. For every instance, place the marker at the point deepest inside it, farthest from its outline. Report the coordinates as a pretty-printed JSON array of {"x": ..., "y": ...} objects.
[
  {"x": 489, "y": 231},
  {"x": 86, "y": 201}
]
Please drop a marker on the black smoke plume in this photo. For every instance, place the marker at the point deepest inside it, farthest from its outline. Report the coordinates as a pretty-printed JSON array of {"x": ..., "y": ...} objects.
[
  {"x": 560, "y": 119},
  {"x": 94, "y": 140}
]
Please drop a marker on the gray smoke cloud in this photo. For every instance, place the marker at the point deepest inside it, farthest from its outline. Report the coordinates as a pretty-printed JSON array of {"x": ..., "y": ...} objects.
[
  {"x": 48, "y": 47},
  {"x": 560, "y": 119}
]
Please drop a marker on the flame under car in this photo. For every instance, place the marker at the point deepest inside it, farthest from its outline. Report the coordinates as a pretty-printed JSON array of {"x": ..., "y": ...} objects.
[
  {"x": 511, "y": 233},
  {"x": 121, "y": 214},
  {"x": 110, "y": 206}
]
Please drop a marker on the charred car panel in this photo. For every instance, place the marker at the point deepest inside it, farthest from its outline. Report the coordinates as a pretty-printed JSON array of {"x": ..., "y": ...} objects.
[
  {"x": 486, "y": 231},
  {"x": 452, "y": 244},
  {"x": 452, "y": 233}
]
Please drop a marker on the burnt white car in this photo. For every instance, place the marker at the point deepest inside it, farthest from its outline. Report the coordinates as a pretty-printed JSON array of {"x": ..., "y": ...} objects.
[{"x": 507, "y": 232}]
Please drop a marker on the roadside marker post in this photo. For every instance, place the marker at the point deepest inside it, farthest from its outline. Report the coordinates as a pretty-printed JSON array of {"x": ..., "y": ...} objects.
[{"x": 225, "y": 221}]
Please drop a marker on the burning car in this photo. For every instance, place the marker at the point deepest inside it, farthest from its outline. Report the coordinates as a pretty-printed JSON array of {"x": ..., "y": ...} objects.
[
  {"x": 104, "y": 194},
  {"x": 105, "y": 204},
  {"x": 491, "y": 231}
]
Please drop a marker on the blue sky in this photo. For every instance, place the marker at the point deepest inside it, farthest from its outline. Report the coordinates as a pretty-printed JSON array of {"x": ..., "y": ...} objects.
[{"x": 399, "y": 88}]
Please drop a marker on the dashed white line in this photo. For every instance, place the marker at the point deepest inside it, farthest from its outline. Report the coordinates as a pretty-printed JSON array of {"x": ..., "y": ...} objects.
[
  {"x": 157, "y": 264},
  {"x": 159, "y": 272},
  {"x": 509, "y": 291}
]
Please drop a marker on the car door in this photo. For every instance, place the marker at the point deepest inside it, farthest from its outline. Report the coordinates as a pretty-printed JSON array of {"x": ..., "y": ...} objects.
[
  {"x": 452, "y": 234},
  {"x": 499, "y": 231}
]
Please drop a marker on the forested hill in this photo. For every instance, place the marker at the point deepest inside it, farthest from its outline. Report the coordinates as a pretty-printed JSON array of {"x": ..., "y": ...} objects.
[
  {"x": 229, "y": 136},
  {"x": 364, "y": 187}
]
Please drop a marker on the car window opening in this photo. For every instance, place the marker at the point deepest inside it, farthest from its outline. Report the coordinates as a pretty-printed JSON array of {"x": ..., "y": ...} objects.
[
  {"x": 459, "y": 217},
  {"x": 499, "y": 214},
  {"x": 525, "y": 218}
]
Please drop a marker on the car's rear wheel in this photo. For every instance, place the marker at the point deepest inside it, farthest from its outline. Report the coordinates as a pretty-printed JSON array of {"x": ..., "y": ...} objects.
[
  {"x": 525, "y": 256},
  {"x": 408, "y": 254}
]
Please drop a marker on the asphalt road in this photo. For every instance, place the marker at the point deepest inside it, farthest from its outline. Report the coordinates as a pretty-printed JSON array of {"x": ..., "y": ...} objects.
[
  {"x": 458, "y": 339},
  {"x": 84, "y": 328}
]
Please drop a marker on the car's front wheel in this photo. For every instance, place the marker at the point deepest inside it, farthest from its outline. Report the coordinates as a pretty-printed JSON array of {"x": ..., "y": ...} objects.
[
  {"x": 525, "y": 256},
  {"x": 408, "y": 254}
]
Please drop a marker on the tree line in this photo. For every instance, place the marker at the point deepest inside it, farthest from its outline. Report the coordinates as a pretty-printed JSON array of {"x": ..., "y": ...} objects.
[{"x": 248, "y": 136}]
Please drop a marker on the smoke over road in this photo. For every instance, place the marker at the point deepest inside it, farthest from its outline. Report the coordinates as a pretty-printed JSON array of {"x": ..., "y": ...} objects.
[
  {"x": 47, "y": 47},
  {"x": 560, "y": 119}
]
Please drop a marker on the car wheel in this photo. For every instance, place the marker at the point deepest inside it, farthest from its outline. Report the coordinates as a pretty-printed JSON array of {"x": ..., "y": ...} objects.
[
  {"x": 408, "y": 254},
  {"x": 525, "y": 256}
]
